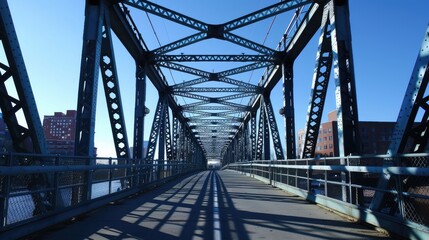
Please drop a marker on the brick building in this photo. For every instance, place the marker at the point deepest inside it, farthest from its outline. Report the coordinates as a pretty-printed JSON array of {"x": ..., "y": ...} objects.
[
  {"x": 375, "y": 137},
  {"x": 60, "y": 132}
]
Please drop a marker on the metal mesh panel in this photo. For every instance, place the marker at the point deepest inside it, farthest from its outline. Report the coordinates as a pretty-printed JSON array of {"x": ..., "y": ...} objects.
[
  {"x": 20, "y": 208},
  {"x": 416, "y": 209}
]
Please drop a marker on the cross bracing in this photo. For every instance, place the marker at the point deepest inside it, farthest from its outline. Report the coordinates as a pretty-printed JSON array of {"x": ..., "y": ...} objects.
[
  {"x": 205, "y": 117},
  {"x": 201, "y": 107}
]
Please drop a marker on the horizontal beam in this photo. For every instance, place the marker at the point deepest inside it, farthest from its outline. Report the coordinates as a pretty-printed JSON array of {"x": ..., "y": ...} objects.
[{"x": 215, "y": 58}]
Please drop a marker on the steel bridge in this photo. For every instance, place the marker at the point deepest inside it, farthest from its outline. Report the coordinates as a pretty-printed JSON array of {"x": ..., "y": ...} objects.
[{"x": 213, "y": 115}]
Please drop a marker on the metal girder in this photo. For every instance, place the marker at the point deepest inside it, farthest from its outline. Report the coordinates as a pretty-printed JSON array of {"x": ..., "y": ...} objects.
[
  {"x": 308, "y": 26},
  {"x": 215, "y": 121},
  {"x": 183, "y": 68},
  {"x": 154, "y": 132},
  {"x": 190, "y": 83},
  {"x": 180, "y": 43},
  {"x": 112, "y": 93},
  {"x": 264, "y": 13},
  {"x": 88, "y": 82},
  {"x": 213, "y": 114},
  {"x": 216, "y": 89},
  {"x": 216, "y": 127},
  {"x": 220, "y": 117},
  {"x": 231, "y": 104},
  {"x": 263, "y": 141},
  {"x": 318, "y": 89},
  {"x": 201, "y": 131},
  {"x": 139, "y": 112},
  {"x": 253, "y": 135},
  {"x": 166, "y": 13},
  {"x": 278, "y": 150},
  {"x": 345, "y": 91},
  {"x": 235, "y": 96},
  {"x": 29, "y": 136},
  {"x": 175, "y": 139},
  {"x": 215, "y": 108},
  {"x": 214, "y": 58},
  {"x": 167, "y": 131},
  {"x": 195, "y": 104},
  {"x": 289, "y": 111},
  {"x": 194, "y": 96},
  {"x": 250, "y": 45},
  {"x": 407, "y": 129},
  {"x": 243, "y": 69},
  {"x": 214, "y": 77},
  {"x": 236, "y": 82}
]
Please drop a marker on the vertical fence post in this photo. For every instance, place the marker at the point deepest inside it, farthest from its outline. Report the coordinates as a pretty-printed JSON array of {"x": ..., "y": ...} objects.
[
  {"x": 56, "y": 185},
  {"x": 5, "y": 192},
  {"x": 326, "y": 178}
]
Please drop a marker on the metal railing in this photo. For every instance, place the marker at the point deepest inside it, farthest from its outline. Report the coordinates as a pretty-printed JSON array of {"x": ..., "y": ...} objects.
[
  {"x": 351, "y": 188},
  {"x": 61, "y": 187}
]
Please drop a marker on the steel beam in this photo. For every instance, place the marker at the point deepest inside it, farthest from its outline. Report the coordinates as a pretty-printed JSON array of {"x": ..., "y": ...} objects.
[
  {"x": 112, "y": 93},
  {"x": 213, "y": 58},
  {"x": 289, "y": 111},
  {"x": 139, "y": 112},
  {"x": 154, "y": 133},
  {"x": 318, "y": 89},
  {"x": 180, "y": 43},
  {"x": 27, "y": 136},
  {"x": 88, "y": 82},
  {"x": 407, "y": 129},
  {"x": 253, "y": 135},
  {"x": 264, "y": 13},
  {"x": 243, "y": 69},
  {"x": 345, "y": 90},
  {"x": 185, "y": 69},
  {"x": 278, "y": 149},
  {"x": 16, "y": 98},
  {"x": 249, "y": 44},
  {"x": 168, "y": 14}
]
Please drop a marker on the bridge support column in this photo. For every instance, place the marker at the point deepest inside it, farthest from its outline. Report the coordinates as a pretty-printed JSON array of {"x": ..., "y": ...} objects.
[
  {"x": 345, "y": 90},
  {"x": 319, "y": 88},
  {"x": 139, "y": 111},
  {"x": 289, "y": 111}
]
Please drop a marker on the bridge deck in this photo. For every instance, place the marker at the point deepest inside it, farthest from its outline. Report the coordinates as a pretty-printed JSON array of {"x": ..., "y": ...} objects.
[{"x": 186, "y": 209}]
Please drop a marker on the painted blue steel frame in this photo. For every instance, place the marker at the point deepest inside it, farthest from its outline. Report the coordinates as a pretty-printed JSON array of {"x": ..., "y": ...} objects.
[
  {"x": 27, "y": 137},
  {"x": 318, "y": 88}
]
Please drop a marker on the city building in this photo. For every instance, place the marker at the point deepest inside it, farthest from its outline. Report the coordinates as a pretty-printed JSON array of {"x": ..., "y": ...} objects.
[
  {"x": 375, "y": 137},
  {"x": 60, "y": 132}
]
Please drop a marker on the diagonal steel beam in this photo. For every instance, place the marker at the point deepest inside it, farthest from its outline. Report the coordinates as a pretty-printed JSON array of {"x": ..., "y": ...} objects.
[
  {"x": 180, "y": 43},
  {"x": 318, "y": 90},
  {"x": 166, "y": 13},
  {"x": 243, "y": 69},
  {"x": 185, "y": 69},
  {"x": 235, "y": 96},
  {"x": 249, "y": 44},
  {"x": 194, "y": 96},
  {"x": 112, "y": 93},
  {"x": 264, "y": 13}
]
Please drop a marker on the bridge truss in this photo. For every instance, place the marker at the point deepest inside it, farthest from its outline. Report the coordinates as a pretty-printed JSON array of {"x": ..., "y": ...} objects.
[{"x": 204, "y": 117}]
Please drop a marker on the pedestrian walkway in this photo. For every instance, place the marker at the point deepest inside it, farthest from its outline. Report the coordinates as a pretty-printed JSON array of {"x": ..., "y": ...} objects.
[{"x": 212, "y": 205}]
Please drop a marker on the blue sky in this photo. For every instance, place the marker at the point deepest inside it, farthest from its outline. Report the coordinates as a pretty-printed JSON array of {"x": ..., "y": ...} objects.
[{"x": 386, "y": 38}]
